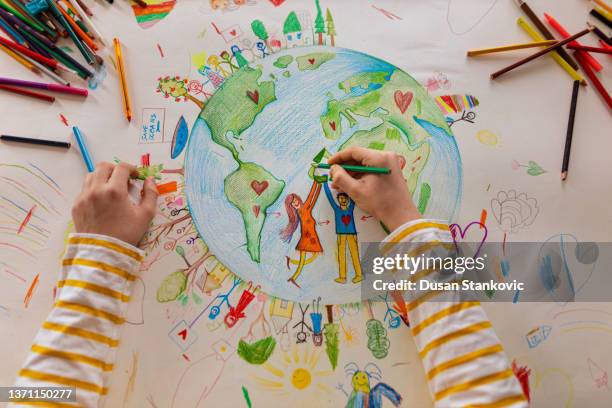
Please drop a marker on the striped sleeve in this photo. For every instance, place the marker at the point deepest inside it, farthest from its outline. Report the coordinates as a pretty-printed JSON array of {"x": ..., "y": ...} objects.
[
  {"x": 464, "y": 361},
  {"x": 76, "y": 344}
]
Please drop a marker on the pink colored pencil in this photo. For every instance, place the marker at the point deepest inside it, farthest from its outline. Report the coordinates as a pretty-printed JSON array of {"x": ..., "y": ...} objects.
[
  {"x": 592, "y": 61},
  {"x": 39, "y": 85}
]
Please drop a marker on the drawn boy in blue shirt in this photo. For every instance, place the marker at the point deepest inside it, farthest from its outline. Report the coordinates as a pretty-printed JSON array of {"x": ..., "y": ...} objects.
[{"x": 347, "y": 233}]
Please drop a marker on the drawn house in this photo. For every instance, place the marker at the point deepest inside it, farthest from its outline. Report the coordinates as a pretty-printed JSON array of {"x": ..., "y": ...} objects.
[{"x": 298, "y": 29}]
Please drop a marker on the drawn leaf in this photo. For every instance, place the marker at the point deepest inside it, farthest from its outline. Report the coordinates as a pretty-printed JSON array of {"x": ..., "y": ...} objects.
[
  {"x": 258, "y": 352},
  {"x": 378, "y": 343},
  {"x": 534, "y": 169},
  {"x": 330, "y": 331},
  {"x": 424, "y": 197},
  {"x": 171, "y": 287}
]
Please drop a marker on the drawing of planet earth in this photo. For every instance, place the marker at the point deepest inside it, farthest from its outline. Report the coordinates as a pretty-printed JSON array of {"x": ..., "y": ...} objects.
[{"x": 252, "y": 191}]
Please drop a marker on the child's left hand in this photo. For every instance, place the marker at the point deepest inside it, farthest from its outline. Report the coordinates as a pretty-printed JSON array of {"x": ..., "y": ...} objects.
[{"x": 103, "y": 206}]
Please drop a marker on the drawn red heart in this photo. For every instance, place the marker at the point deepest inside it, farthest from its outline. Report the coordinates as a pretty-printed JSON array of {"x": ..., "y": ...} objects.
[
  {"x": 277, "y": 2},
  {"x": 332, "y": 125},
  {"x": 311, "y": 60},
  {"x": 346, "y": 219},
  {"x": 233, "y": 33},
  {"x": 254, "y": 95},
  {"x": 403, "y": 100},
  {"x": 258, "y": 187},
  {"x": 256, "y": 210}
]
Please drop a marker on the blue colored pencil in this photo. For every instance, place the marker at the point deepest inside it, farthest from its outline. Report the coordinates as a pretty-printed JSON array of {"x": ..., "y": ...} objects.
[
  {"x": 81, "y": 142},
  {"x": 6, "y": 27}
]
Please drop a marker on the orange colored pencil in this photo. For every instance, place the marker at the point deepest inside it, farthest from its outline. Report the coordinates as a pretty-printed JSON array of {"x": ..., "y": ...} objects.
[
  {"x": 82, "y": 34},
  {"x": 122, "y": 78},
  {"x": 603, "y": 5}
]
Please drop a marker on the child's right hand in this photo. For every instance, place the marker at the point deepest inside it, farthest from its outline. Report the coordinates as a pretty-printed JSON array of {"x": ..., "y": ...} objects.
[{"x": 384, "y": 196}]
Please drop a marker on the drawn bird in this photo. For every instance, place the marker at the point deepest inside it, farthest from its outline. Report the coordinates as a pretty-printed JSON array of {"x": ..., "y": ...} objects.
[{"x": 363, "y": 394}]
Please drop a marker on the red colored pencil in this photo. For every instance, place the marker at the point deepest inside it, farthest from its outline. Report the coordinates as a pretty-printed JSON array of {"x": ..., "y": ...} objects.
[
  {"x": 26, "y": 92},
  {"x": 34, "y": 55},
  {"x": 596, "y": 83},
  {"x": 565, "y": 34},
  {"x": 604, "y": 45},
  {"x": 591, "y": 49}
]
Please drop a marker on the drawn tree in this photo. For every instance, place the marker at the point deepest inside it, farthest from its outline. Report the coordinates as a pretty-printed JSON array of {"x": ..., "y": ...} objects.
[
  {"x": 331, "y": 27},
  {"x": 319, "y": 23},
  {"x": 292, "y": 24},
  {"x": 176, "y": 88},
  {"x": 260, "y": 31}
]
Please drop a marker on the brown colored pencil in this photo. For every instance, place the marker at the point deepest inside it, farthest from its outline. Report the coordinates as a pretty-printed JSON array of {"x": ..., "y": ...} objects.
[
  {"x": 591, "y": 49},
  {"x": 570, "y": 131},
  {"x": 26, "y": 92},
  {"x": 540, "y": 53},
  {"x": 545, "y": 31}
]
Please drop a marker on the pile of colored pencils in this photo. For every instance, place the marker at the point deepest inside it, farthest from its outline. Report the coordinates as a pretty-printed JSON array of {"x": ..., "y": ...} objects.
[
  {"x": 32, "y": 31},
  {"x": 581, "y": 57}
]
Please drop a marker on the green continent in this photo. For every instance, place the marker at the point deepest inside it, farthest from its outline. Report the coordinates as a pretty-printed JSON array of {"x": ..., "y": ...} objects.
[
  {"x": 283, "y": 62},
  {"x": 241, "y": 89},
  {"x": 314, "y": 60},
  {"x": 363, "y": 80},
  {"x": 252, "y": 190}
]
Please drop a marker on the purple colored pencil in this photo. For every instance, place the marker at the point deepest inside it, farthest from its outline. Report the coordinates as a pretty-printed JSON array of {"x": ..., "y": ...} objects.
[{"x": 39, "y": 85}]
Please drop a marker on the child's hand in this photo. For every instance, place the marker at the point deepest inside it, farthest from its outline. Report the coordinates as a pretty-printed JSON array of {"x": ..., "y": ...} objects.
[
  {"x": 103, "y": 207},
  {"x": 384, "y": 196}
]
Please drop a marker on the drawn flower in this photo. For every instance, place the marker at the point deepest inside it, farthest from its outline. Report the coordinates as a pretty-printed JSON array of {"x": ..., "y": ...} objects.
[
  {"x": 515, "y": 165},
  {"x": 514, "y": 211}
]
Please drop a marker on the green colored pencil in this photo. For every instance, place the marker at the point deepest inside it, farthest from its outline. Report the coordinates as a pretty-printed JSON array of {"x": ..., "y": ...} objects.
[
  {"x": 358, "y": 169},
  {"x": 34, "y": 24}
]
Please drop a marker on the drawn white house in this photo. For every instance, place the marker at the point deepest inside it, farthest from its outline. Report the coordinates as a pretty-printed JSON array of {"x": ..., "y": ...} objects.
[{"x": 298, "y": 29}]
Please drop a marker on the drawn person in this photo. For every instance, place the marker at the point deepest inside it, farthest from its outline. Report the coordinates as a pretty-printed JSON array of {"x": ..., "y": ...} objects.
[
  {"x": 261, "y": 46},
  {"x": 300, "y": 212},
  {"x": 237, "y": 52},
  {"x": 346, "y": 232}
]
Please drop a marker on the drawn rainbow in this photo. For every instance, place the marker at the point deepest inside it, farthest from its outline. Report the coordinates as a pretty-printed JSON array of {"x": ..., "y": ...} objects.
[
  {"x": 156, "y": 10},
  {"x": 456, "y": 103}
]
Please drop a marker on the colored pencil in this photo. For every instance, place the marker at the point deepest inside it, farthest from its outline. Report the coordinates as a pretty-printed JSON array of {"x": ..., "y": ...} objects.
[
  {"x": 122, "y": 78},
  {"x": 29, "y": 140},
  {"x": 538, "y": 54},
  {"x": 606, "y": 14},
  {"x": 6, "y": 27},
  {"x": 531, "y": 31},
  {"x": 545, "y": 31},
  {"x": 594, "y": 79},
  {"x": 603, "y": 5},
  {"x": 40, "y": 58},
  {"x": 34, "y": 24},
  {"x": 75, "y": 39},
  {"x": 84, "y": 7},
  {"x": 48, "y": 72},
  {"x": 358, "y": 169},
  {"x": 602, "y": 35},
  {"x": 20, "y": 7},
  {"x": 20, "y": 59},
  {"x": 83, "y": 148},
  {"x": 565, "y": 34},
  {"x": 483, "y": 51},
  {"x": 570, "y": 132},
  {"x": 26, "y": 92},
  {"x": 79, "y": 32},
  {"x": 601, "y": 17},
  {"x": 39, "y": 85},
  {"x": 604, "y": 45},
  {"x": 87, "y": 21},
  {"x": 591, "y": 49}
]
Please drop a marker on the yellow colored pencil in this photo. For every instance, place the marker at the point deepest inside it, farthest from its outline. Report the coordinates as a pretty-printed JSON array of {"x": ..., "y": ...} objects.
[
  {"x": 124, "y": 85},
  {"x": 607, "y": 14},
  {"x": 511, "y": 47},
  {"x": 20, "y": 59},
  {"x": 537, "y": 37},
  {"x": 603, "y": 5}
]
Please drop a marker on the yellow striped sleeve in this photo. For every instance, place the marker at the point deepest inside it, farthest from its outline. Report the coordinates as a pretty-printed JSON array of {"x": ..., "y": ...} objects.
[
  {"x": 99, "y": 265},
  {"x": 466, "y": 358},
  {"x": 453, "y": 336},
  {"x": 94, "y": 288},
  {"x": 66, "y": 355},
  {"x": 457, "y": 307},
  {"x": 59, "y": 379},
  {"x": 92, "y": 311},
  {"x": 501, "y": 403},
  {"x": 86, "y": 334},
  {"x": 477, "y": 382},
  {"x": 410, "y": 230},
  {"x": 106, "y": 244}
]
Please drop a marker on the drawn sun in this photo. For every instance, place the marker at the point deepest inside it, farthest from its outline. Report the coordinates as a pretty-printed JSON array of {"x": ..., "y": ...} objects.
[{"x": 297, "y": 376}]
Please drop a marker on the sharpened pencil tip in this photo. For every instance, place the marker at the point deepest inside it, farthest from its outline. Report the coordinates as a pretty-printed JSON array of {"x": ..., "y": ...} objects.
[{"x": 563, "y": 175}]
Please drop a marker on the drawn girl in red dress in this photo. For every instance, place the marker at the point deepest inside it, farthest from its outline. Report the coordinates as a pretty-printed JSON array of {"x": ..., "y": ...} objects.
[{"x": 300, "y": 212}]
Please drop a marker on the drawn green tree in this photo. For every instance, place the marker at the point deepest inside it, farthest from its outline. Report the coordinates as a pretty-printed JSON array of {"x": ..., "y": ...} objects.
[
  {"x": 331, "y": 28},
  {"x": 292, "y": 24},
  {"x": 319, "y": 23},
  {"x": 176, "y": 88},
  {"x": 260, "y": 30}
]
